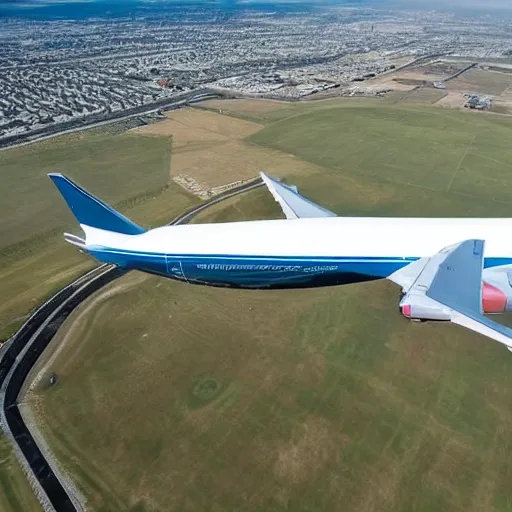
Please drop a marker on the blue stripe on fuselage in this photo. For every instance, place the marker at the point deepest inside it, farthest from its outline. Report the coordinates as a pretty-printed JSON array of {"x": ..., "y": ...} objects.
[{"x": 262, "y": 271}]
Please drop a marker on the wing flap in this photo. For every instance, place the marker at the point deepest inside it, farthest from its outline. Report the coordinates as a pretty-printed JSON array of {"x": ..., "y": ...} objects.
[
  {"x": 292, "y": 203},
  {"x": 406, "y": 276},
  {"x": 458, "y": 280}
]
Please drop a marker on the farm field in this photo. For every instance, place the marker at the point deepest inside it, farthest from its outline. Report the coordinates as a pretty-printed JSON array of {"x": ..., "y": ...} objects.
[
  {"x": 177, "y": 397},
  {"x": 269, "y": 111},
  {"x": 487, "y": 79},
  {"x": 440, "y": 151},
  {"x": 425, "y": 95},
  {"x": 210, "y": 150},
  {"x": 485, "y": 82}
]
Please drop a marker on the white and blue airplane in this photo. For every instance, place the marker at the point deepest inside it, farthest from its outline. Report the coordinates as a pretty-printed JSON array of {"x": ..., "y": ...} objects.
[{"x": 439, "y": 263}]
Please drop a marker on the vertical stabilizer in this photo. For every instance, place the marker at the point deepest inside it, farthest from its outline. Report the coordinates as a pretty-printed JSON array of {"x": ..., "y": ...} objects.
[{"x": 91, "y": 211}]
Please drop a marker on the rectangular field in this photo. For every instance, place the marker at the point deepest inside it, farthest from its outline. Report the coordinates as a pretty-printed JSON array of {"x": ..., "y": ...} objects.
[
  {"x": 115, "y": 168},
  {"x": 484, "y": 82},
  {"x": 426, "y": 95},
  {"x": 409, "y": 146},
  {"x": 266, "y": 112}
]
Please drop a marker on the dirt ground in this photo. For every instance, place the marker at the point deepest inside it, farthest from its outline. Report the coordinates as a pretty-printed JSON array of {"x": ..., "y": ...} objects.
[
  {"x": 418, "y": 75},
  {"x": 388, "y": 82},
  {"x": 181, "y": 133},
  {"x": 233, "y": 161},
  {"x": 192, "y": 125},
  {"x": 452, "y": 100},
  {"x": 208, "y": 150}
]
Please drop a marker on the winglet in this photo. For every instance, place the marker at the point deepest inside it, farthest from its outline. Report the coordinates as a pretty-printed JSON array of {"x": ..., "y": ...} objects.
[
  {"x": 91, "y": 211},
  {"x": 293, "y": 204}
]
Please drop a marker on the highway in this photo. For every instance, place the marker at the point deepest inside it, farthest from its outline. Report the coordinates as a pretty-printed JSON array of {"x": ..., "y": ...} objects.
[
  {"x": 102, "y": 119},
  {"x": 27, "y": 345}
]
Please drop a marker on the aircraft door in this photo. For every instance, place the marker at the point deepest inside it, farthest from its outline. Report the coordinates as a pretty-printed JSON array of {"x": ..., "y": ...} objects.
[{"x": 174, "y": 268}]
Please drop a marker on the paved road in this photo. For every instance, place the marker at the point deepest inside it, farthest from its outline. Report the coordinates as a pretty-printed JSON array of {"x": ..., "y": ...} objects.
[
  {"x": 460, "y": 72},
  {"x": 96, "y": 120},
  {"x": 26, "y": 347}
]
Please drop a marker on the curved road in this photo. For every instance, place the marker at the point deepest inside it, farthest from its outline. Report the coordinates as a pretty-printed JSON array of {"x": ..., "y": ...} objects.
[{"x": 28, "y": 344}]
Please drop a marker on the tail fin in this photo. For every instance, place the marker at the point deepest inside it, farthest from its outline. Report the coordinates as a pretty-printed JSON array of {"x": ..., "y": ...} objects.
[{"x": 91, "y": 211}]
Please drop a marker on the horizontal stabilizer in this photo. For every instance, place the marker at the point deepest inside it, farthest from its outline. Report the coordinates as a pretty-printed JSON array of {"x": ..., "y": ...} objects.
[
  {"x": 293, "y": 204},
  {"x": 75, "y": 240},
  {"x": 91, "y": 211}
]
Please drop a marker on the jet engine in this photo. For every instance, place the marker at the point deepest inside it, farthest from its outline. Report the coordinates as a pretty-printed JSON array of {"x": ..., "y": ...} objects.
[
  {"x": 496, "y": 298},
  {"x": 497, "y": 290}
]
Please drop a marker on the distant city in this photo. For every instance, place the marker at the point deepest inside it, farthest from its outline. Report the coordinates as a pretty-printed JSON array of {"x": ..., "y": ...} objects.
[{"x": 60, "y": 68}]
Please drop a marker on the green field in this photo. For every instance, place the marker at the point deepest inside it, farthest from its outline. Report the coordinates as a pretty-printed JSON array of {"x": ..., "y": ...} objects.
[
  {"x": 436, "y": 151},
  {"x": 15, "y": 495},
  {"x": 271, "y": 112},
  {"x": 181, "y": 398},
  {"x": 129, "y": 171},
  {"x": 117, "y": 167}
]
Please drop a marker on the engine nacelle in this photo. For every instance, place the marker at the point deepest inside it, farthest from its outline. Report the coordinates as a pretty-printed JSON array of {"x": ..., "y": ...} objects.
[
  {"x": 425, "y": 312},
  {"x": 497, "y": 297}
]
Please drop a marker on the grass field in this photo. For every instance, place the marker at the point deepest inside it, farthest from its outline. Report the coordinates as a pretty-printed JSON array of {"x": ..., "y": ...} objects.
[
  {"x": 16, "y": 495},
  {"x": 127, "y": 170},
  {"x": 484, "y": 82},
  {"x": 267, "y": 112},
  {"x": 424, "y": 95},
  {"x": 39, "y": 263},
  {"x": 117, "y": 167},
  {"x": 439, "y": 151},
  {"x": 211, "y": 148},
  {"x": 197, "y": 398}
]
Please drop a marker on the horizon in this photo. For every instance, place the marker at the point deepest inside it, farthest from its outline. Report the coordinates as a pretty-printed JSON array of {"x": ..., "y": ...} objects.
[{"x": 83, "y": 9}]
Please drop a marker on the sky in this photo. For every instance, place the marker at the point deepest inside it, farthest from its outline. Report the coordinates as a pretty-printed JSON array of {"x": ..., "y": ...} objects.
[{"x": 480, "y": 6}]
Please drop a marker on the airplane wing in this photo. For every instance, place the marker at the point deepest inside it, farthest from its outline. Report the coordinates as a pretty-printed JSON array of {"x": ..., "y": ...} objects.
[
  {"x": 448, "y": 286},
  {"x": 293, "y": 204}
]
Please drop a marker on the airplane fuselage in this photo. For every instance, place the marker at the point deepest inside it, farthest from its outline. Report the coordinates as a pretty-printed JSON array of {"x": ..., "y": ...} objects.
[
  {"x": 295, "y": 253},
  {"x": 452, "y": 270}
]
